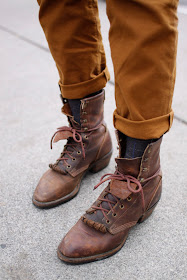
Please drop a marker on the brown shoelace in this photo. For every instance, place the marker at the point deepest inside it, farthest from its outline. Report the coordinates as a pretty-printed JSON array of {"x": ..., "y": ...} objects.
[
  {"x": 121, "y": 177},
  {"x": 76, "y": 135}
]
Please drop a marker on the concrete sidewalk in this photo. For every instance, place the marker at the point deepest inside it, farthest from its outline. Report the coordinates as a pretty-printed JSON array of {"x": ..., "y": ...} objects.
[{"x": 29, "y": 114}]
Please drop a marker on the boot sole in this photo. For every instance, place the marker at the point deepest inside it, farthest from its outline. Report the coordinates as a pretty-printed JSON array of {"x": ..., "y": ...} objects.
[
  {"x": 94, "y": 168},
  {"x": 108, "y": 253}
]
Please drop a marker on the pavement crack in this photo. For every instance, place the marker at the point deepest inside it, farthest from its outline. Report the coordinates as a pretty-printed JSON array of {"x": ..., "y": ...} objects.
[
  {"x": 23, "y": 38},
  {"x": 180, "y": 120}
]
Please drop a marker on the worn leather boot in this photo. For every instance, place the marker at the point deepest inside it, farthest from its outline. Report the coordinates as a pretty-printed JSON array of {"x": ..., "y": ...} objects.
[
  {"x": 130, "y": 198},
  {"x": 89, "y": 147}
]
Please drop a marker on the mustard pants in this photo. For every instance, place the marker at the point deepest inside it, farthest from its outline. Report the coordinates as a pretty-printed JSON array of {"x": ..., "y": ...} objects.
[{"x": 143, "y": 41}]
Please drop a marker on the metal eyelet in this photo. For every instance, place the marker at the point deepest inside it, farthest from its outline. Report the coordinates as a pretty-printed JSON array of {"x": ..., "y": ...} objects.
[
  {"x": 129, "y": 198},
  {"x": 141, "y": 180},
  {"x": 83, "y": 105},
  {"x": 114, "y": 214},
  {"x": 85, "y": 129},
  {"x": 85, "y": 120},
  {"x": 108, "y": 222},
  {"x": 144, "y": 169},
  {"x": 73, "y": 159},
  {"x": 121, "y": 206},
  {"x": 84, "y": 113},
  {"x": 86, "y": 137},
  {"x": 145, "y": 159},
  {"x": 68, "y": 166},
  {"x": 79, "y": 152},
  {"x": 149, "y": 151}
]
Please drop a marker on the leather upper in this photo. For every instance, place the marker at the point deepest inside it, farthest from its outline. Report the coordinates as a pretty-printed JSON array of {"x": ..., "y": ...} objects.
[
  {"x": 77, "y": 157},
  {"x": 94, "y": 234}
]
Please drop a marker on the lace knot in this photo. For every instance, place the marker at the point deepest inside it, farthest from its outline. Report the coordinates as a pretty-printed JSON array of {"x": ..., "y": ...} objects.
[{"x": 75, "y": 135}]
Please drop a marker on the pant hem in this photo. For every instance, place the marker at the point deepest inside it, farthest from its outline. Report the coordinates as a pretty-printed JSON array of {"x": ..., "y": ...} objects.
[
  {"x": 81, "y": 90},
  {"x": 147, "y": 129}
]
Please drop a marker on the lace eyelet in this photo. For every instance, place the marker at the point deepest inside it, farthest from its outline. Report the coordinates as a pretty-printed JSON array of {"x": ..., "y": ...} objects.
[
  {"x": 114, "y": 214},
  {"x": 129, "y": 198},
  {"x": 84, "y": 105},
  {"x": 68, "y": 166},
  {"x": 107, "y": 221},
  {"x": 79, "y": 152},
  {"x": 73, "y": 159},
  {"x": 121, "y": 206}
]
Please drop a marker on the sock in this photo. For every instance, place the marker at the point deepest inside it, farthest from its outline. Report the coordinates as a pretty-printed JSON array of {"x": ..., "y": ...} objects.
[
  {"x": 135, "y": 147},
  {"x": 75, "y": 106}
]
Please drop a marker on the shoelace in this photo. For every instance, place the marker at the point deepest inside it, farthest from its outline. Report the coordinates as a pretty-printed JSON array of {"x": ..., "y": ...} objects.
[
  {"x": 77, "y": 139},
  {"x": 121, "y": 177},
  {"x": 76, "y": 133}
]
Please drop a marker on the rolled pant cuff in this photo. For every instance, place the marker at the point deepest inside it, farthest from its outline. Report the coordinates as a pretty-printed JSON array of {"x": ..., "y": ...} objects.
[
  {"x": 81, "y": 90},
  {"x": 147, "y": 129}
]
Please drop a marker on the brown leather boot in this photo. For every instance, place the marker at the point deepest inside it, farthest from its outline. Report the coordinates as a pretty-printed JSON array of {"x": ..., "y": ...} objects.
[
  {"x": 131, "y": 196},
  {"x": 89, "y": 147}
]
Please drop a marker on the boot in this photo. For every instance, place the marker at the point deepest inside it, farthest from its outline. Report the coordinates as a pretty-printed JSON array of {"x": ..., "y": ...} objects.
[
  {"x": 89, "y": 147},
  {"x": 130, "y": 197}
]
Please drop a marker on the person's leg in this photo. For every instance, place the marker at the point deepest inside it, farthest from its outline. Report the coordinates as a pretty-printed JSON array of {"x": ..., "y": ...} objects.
[
  {"x": 144, "y": 56},
  {"x": 72, "y": 29},
  {"x": 143, "y": 39}
]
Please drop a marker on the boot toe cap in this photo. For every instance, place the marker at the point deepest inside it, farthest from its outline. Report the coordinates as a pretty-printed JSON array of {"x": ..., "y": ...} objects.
[
  {"x": 83, "y": 241},
  {"x": 52, "y": 186}
]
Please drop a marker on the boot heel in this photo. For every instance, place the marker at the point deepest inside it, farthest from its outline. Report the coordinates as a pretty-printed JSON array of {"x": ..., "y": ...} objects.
[
  {"x": 101, "y": 163},
  {"x": 147, "y": 213}
]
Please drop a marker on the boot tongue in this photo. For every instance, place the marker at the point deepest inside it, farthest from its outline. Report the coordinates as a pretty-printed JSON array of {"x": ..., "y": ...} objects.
[{"x": 129, "y": 166}]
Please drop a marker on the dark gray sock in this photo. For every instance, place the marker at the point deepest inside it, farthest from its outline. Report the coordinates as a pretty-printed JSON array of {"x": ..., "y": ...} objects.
[
  {"x": 135, "y": 147},
  {"x": 75, "y": 106}
]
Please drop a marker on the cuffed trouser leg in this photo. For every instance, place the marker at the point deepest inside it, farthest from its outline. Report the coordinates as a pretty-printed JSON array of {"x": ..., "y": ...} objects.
[
  {"x": 143, "y": 40},
  {"x": 72, "y": 29}
]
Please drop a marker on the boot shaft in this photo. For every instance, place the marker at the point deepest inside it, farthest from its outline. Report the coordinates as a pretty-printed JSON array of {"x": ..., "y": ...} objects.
[
  {"x": 143, "y": 167},
  {"x": 91, "y": 111}
]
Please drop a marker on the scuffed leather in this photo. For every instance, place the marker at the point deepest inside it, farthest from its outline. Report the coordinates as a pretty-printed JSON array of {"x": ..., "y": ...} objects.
[
  {"x": 61, "y": 180},
  {"x": 92, "y": 234}
]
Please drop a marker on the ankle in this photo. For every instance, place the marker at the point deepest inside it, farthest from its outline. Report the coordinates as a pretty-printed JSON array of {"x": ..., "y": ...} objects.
[{"x": 135, "y": 147}]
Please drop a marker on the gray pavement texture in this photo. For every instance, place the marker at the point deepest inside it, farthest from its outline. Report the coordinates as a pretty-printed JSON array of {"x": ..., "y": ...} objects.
[{"x": 29, "y": 114}]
